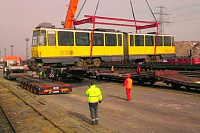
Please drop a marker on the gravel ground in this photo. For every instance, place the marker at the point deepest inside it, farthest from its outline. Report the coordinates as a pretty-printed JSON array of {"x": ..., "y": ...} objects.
[{"x": 152, "y": 109}]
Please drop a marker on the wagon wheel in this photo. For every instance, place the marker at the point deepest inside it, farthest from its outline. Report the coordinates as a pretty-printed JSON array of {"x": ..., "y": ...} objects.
[
  {"x": 22, "y": 84},
  {"x": 39, "y": 65},
  {"x": 176, "y": 86},
  {"x": 187, "y": 87},
  {"x": 140, "y": 82},
  {"x": 152, "y": 82},
  {"x": 27, "y": 87},
  {"x": 35, "y": 90},
  {"x": 31, "y": 89},
  {"x": 8, "y": 76},
  {"x": 97, "y": 62},
  {"x": 60, "y": 78},
  {"x": 80, "y": 63}
]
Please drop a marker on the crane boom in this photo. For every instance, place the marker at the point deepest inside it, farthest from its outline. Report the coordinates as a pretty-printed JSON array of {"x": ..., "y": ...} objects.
[{"x": 70, "y": 13}]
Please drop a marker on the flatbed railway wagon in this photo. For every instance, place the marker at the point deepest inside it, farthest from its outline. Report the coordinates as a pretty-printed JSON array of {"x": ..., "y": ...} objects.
[
  {"x": 43, "y": 86},
  {"x": 177, "y": 80},
  {"x": 170, "y": 77},
  {"x": 66, "y": 73}
]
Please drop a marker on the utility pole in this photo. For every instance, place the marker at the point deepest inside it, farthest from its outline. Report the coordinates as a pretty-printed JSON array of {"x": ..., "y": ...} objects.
[
  {"x": 4, "y": 52},
  {"x": 26, "y": 39},
  {"x": 162, "y": 21},
  {"x": 11, "y": 46}
]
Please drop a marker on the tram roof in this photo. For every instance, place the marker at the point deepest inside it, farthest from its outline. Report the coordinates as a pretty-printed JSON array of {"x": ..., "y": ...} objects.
[{"x": 49, "y": 26}]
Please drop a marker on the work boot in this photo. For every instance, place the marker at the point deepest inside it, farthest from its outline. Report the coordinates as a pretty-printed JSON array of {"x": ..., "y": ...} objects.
[
  {"x": 96, "y": 122},
  {"x": 93, "y": 122}
]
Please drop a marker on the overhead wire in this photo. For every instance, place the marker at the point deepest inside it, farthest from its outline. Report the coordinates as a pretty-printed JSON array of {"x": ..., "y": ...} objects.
[
  {"x": 186, "y": 15},
  {"x": 184, "y": 7}
]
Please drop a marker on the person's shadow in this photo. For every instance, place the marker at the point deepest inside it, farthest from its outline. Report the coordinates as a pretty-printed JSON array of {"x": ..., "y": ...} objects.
[
  {"x": 79, "y": 116},
  {"x": 117, "y": 97}
]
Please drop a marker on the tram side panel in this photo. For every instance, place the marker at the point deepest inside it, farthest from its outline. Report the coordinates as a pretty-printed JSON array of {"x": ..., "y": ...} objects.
[{"x": 74, "y": 46}]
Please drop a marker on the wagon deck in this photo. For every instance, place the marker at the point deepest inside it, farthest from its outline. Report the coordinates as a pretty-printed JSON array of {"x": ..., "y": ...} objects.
[{"x": 43, "y": 86}]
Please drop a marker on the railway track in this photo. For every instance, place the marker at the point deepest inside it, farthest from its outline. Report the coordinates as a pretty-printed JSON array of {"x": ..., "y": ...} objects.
[
  {"x": 31, "y": 108},
  {"x": 32, "y": 113},
  {"x": 5, "y": 125}
]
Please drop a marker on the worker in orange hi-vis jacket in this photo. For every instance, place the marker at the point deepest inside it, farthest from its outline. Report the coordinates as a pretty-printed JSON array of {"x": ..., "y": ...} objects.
[
  {"x": 128, "y": 84},
  {"x": 112, "y": 69}
]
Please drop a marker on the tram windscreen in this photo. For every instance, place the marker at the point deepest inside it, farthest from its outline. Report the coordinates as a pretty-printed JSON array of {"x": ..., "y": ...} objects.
[
  {"x": 39, "y": 38},
  {"x": 35, "y": 38}
]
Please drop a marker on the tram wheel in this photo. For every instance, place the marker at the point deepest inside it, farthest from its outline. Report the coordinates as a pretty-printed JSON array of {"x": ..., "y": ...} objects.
[
  {"x": 97, "y": 62},
  {"x": 80, "y": 63},
  {"x": 158, "y": 58},
  {"x": 147, "y": 59}
]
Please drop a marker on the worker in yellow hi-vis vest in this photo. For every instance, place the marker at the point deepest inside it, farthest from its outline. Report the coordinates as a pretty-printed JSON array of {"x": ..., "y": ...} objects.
[{"x": 94, "y": 97}]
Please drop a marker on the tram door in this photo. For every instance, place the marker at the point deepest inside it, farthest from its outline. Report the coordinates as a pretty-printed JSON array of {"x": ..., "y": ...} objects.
[{"x": 126, "y": 54}]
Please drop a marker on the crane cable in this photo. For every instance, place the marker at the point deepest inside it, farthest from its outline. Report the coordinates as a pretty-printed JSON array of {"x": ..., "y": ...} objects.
[
  {"x": 84, "y": 5},
  {"x": 81, "y": 9},
  {"x": 133, "y": 12},
  {"x": 96, "y": 8},
  {"x": 151, "y": 11}
]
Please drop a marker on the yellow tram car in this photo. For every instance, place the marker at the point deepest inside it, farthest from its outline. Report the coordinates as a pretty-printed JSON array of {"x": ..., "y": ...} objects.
[{"x": 51, "y": 45}]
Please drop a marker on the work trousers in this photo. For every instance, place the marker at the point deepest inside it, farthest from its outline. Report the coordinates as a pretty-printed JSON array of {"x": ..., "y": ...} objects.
[
  {"x": 128, "y": 94},
  {"x": 94, "y": 111}
]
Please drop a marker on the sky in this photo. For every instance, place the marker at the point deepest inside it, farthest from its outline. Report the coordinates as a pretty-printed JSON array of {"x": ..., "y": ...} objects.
[{"x": 18, "y": 18}]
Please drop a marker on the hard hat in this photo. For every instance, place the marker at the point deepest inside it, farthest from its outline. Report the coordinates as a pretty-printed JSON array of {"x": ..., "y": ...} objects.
[
  {"x": 93, "y": 83},
  {"x": 128, "y": 75}
]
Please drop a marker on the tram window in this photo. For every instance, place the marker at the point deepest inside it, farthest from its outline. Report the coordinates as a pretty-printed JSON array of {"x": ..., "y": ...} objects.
[
  {"x": 149, "y": 41},
  {"x": 139, "y": 40},
  {"x": 131, "y": 40},
  {"x": 52, "y": 38},
  {"x": 65, "y": 38},
  {"x": 35, "y": 39},
  {"x": 119, "y": 40},
  {"x": 82, "y": 39},
  {"x": 111, "y": 40},
  {"x": 43, "y": 38},
  {"x": 98, "y": 39},
  {"x": 159, "y": 41},
  {"x": 173, "y": 41},
  {"x": 167, "y": 41}
]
